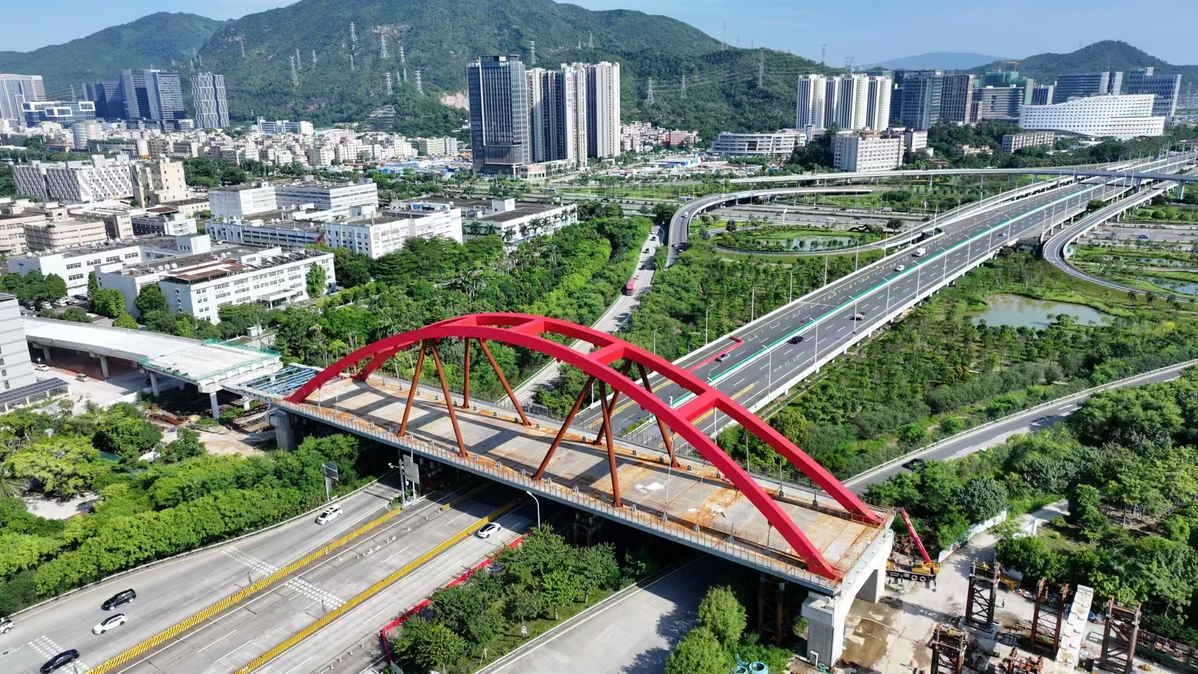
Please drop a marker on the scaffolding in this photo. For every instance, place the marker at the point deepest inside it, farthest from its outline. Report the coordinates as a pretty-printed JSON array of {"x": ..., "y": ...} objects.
[
  {"x": 773, "y": 611},
  {"x": 983, "y": 586},
  {"x": 948, "y": 645},
  {"x": 1119, "y": 637},
  {"x": 1017, "y": 664},
  {"x": 1047, "y": 617}
]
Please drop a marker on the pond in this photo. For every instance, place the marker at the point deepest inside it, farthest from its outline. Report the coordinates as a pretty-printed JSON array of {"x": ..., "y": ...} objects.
[
  {"x": 1174, "y": 285},
  {"x": 1018, "y": 311},
  {"x": 814, "y": 242}
]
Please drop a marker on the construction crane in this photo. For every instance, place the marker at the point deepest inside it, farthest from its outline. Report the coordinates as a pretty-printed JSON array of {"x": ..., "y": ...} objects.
[{"x": 921, "y": 571}]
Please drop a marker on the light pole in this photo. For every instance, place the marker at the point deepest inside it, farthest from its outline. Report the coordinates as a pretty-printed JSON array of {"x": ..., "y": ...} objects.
[
  {"x": 655, "y": 341},
  {"x": 790, "y": 296},
  {"x": 753, "y": 304},
  {"x": 538, "y": 502},
  {"x": 706, "y": 313}
]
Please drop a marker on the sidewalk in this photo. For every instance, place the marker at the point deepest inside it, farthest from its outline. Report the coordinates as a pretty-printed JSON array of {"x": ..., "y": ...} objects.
[{"x": 610, "y": 322}]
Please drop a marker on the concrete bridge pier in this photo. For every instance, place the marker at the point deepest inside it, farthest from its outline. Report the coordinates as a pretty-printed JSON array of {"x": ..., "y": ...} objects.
[
  {"x": 284, "y": 425},
  {"x": 826, "y": 614}
]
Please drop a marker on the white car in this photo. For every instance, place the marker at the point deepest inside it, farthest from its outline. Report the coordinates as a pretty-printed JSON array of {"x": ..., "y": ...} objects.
[
  {"x": 486, "y": 531},
  {"x": 42, "y": 367},
  {"x": 109, "y": 623},
  {"x": 330, "y": 513},
  {"x": 901, "y": 268}
]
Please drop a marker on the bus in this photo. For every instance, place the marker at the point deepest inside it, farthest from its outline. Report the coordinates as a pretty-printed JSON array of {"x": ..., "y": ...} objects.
[{"x": 630, "y": 288}]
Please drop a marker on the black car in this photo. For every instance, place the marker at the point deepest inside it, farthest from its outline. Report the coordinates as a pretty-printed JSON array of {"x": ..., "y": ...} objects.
[
  {"x": 796, "y": 339},
  {"x": 118, "y": 599},
  {"x": 63, "y": 658},
  {"x": 914, "y": 464}
]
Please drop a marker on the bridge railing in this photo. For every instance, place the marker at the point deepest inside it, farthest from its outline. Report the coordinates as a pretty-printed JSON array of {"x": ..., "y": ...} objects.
[{"x": 712, "y": 537}]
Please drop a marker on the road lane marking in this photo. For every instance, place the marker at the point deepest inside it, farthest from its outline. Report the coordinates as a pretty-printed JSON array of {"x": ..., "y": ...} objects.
[
  {"x": 233, "y": 651},
  {"x": 227, "y": 635}
]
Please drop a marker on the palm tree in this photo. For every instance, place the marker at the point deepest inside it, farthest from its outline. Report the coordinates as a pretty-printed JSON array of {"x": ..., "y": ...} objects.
[{"x": 10, "y": 484}]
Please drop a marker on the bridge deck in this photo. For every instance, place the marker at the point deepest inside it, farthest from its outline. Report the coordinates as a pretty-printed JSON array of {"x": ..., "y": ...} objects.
[{"x": 690, "y": 496}]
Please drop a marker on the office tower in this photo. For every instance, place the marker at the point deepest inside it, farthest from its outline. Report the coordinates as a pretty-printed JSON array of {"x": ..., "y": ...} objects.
[
  {"x": 152, "y": 95},
  {"x": 1080, "y": 85},
  {"x": 208, "y": 94},
  {"x": 809, "y": 111},
  {"x": 1115, "y": 116},
  {"x": 1041, "y": 94},
  {"x": 956, "y": 98},
  {"x": 1008, "y": 78},
  {"x": 18, "y": 89},
  {"x": 557, "y": 108},
  {"x": 110, "y": 103},
  {"x": 603, "y": 110},
  {"x": 917, "y": 98},
  {"x": 499, "y": 134},
  {"x": 1166, "y": 88},
  {"x": 65, "y": 113},
  {"x": 997, "y": 103}
]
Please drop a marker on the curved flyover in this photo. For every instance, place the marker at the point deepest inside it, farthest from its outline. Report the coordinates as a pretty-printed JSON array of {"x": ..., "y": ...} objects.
[{"x": 533, "y": 332}]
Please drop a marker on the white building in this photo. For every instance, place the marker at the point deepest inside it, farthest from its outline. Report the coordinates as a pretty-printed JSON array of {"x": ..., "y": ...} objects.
[
  {"x": 516, "y": 222},
  {"x": 374, "y": 236},
  {"x": 781, "y": 142},
  {"x": 76, "y": 182},
  {"x": 159, "y": 182},
  {"x": 199, "y": 285},
  {"x": 866, "y": 151},
  {"x": 283, "y": 126},
  {"x": 16, "y": 370},
  {"x": 603, "y": 110},
  {"x": 853, "y": 101},
  {"x": 239, "y": 201},
  {"x": 84, "y": 132},
  {"x": 1114, "y": 116},
  {"x": 335, "y": 199},
  {"x": 74, "y": 264}
]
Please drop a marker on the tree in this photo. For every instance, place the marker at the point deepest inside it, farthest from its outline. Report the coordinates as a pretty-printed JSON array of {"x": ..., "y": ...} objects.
[
  {"x": 108, "y": 302},
  {"x": 75, "y": 315},
  {"x": 316, "y": 281},
  {"x": 982, "y": 498},
  {"x": 123, "y": 321},
  {"x": 60, "y": 467},
  {"x": 56, "y": 288},
  {"x": 150, "y": 299},
  {"x": 429, "y": 645},
  {"x": 699, "y": 652},
  {"x": 185, "y": 446},
  {"x": 124, "y": 431},
  {"x": 559, "y": 589},
  {"x": 93, "y": 284},
  {"x": 597, "y": 569},
  {"x": 722, "y": 613}
]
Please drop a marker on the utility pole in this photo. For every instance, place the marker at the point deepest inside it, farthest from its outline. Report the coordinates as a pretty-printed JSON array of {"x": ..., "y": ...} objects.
[
  {"x": 388, "y": 83},
  {"x": 352, "y": 68}
]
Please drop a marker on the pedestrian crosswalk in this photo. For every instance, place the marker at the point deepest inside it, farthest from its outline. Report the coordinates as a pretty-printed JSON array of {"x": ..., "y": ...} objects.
[
  {"x": 300, "y": 585},
  {"x": 48, "y": 648}
]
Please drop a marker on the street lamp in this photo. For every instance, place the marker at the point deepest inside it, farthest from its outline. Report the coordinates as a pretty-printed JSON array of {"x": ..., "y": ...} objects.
[
  {"x": 655, "y": 341},
  {"x": 706, "y": 335},
  {"x": 538, "y": 502}
]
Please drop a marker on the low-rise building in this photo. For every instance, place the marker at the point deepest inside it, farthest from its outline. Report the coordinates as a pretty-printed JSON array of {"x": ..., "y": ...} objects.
[
  {"x": 1017, "y": 141},
  {"x": 200, "y": 285},
  {"x": 867, "y": 151},
  {"x": 74, "y": 264},
  {"x": 163, "y": 221},
  {"x": 51, "y": 235},
  {"x": 65, "y": 113},
  {"x": 1112, "y": 116},
  {"x": 328, "y": 200},
  {"x": 159, "y": 182},
  {"x": 515, "y": 222},
  {"x": 239, "y": 201},
  {"x": 76, "y": 182},
  {"x": 781, "y": 142}
]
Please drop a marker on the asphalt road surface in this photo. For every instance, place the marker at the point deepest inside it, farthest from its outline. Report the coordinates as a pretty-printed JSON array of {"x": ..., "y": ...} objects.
[
  {"x": 825, "y": 318},
  {"x": 995, "y": 434}
]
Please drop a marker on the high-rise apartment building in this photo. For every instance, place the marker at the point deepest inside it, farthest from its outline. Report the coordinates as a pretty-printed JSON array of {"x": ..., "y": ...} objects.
[
  {"x": 603, "y": 110},
  {"x": 16, "y": 370},
  {"x": 557, "y": 109},
  {"x": 917, "y": 98},
  {"x": 499, "y": 114},
  {"x": 956, "y": 98},
  {"x": 211, "y": 106},
  {"x": 155, "y": 95},
  {"x": 17, "y": 89},
  {"x": 1166, "y": 89},
  {"x": 851, "y": 102}
]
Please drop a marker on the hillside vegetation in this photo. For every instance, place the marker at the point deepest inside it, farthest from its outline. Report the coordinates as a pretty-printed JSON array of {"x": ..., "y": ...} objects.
[{"x": 1098, "y": 57}]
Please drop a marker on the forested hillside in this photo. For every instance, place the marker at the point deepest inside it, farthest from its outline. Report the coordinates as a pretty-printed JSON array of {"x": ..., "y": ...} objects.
[{"x": 1098, "y": 57}]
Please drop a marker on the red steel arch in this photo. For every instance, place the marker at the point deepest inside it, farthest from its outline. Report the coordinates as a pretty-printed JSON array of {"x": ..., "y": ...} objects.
[{"x": 527, "y": 331}]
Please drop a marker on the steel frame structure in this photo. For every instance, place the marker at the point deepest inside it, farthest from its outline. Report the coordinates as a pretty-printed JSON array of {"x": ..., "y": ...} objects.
[
  {"x": 530, "y": 332},
  {"x": 1119, "y": 638},
  {"x": 979, "y": 603},
  {"x": 1047, "y": 616}
]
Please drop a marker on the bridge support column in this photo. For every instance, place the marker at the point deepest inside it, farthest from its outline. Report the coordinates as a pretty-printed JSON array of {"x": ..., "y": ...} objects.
[
  {"x": 215, "y": 405},
  {"x": 154, "y": 384},
  {"x": 825, "y": 627},
  {"x": 284, "y": 430},
  {"x": 104, "y": 366},
  {"x": 46, "y": 353}
]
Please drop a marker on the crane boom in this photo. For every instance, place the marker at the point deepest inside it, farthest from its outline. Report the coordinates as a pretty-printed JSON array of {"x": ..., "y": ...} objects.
[{"x": 915, "y": 536}]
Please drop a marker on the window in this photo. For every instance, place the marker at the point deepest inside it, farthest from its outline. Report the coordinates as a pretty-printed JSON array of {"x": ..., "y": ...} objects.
[{"x": 74, "y": 265}]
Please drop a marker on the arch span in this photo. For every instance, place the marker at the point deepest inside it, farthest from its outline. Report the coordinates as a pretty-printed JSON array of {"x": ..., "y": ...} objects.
[{"x": 530, "y": 332}]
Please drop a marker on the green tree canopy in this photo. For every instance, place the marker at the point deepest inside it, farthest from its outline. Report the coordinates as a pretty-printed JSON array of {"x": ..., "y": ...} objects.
[
  {"x": 150, "y": 299},
  {"x": 722, "y": 613}
]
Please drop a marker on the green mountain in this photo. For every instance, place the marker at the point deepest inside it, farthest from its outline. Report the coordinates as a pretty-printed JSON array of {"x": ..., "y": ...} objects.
[
  {"x": 152, "y": 40},
  {"x": 440, "y": 37},
  {"x": 1100, "y": 56}
]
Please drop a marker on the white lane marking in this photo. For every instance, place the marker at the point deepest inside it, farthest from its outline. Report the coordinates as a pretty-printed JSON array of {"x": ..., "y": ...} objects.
[
  {"x": 216, "y": 642},
  {"x": 304, "y": 587},
  {"x": 299, "y": 665},
  {"x": 47, "y": 648},
  {"x": 233, "y": 651}
]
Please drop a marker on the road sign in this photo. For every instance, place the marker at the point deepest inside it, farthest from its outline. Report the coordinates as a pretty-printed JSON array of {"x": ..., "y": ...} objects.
[
  {"x": 411, "y": 469},
  {"x": 331, "y": 471}
]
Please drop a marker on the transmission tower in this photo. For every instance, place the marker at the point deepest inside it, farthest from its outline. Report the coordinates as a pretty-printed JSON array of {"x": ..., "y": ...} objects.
[
  {"x": 403, "y": 61},
  {"x": 241, "y": 43},
  {"x": 299, "y": 64},
  {"x": 352, "y": 68},
  {"x": 419, "y": 84},
  {"x": 590, "y": 40},
  {"x": 761, "y": 69},
  {"x": 383, "y": 47},
  {"x": 684, "y": 87},
  {"x": 532, "y": 52},
  {"x": 353, "y": 35},
  {"x": 199, "y": 58},
  {"x": 294, "y": 76},
  {"x": 388, "y": 84},
  {"x": 724, "y": 42},
  {"x": 649, "y": 92},
  {"x": 73, "y": 93},
  {"x": 313, "y": 58},
  {"x": 823, "y": 54}
]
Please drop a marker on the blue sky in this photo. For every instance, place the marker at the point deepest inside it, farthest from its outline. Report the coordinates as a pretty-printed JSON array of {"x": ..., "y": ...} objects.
[{"x": 873, "y": 31}]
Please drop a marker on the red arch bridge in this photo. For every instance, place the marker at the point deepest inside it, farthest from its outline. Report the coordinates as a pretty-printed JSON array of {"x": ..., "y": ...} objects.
[{"x": 824, "y": 538}]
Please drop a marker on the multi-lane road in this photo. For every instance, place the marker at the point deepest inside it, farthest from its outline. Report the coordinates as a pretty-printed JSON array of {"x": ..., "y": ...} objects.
[
  {"x": 172, "y": 591},
  {"x": 831, "y": 318}
]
